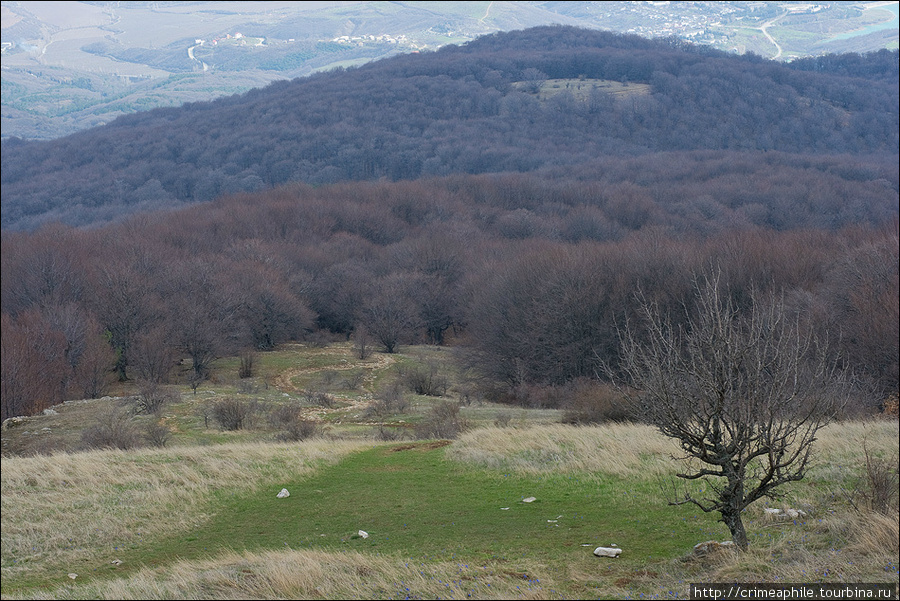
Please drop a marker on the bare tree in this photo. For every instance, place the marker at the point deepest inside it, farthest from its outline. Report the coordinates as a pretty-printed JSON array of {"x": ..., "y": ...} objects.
[{"x": 743, "y": 394}]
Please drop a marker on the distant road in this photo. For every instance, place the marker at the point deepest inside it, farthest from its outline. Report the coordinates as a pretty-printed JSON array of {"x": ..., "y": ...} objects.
[{"x": 770, "y": 38}]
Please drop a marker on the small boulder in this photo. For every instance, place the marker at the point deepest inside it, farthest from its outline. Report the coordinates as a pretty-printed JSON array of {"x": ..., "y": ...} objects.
[
  {"x": 607, "y": 551},
  {"x": 50, "y": 412},
  {"x": 529, "y": 500},
  {"x": 363, "y": 534},
  {"x": 711, "y": 546},
  {"x": 283, "y": 494}
]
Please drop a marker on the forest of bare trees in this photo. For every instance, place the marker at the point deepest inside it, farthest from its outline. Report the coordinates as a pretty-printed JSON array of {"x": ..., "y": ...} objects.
[
  {"x": 532, "y": 276},
  {"x": 459, "y": 110},
  {"x": 429, "y": 199}
]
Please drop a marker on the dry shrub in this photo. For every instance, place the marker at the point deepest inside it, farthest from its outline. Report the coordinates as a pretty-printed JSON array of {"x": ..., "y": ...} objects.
[
  {"x": 318, "y": 397},
  {"x": 589, "y": 402},
  {"x": 502, "y": 419},
  {"x": 425, "y": 380},
  {"x": 233, "y": 414},
  {"x": 289, "y": 419},
  {"x": 389, "y": 400},
  {"x": 443, "y": 421},
  {"x": 152, "y": 397},
  {"x": 157, "y": 434},
  {"x": 115, "y": 429},
  {"x": 245, "y": 370}
]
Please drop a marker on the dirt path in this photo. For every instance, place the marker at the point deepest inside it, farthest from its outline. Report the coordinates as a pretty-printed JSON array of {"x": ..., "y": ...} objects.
[{"x": 284, "y": 383}]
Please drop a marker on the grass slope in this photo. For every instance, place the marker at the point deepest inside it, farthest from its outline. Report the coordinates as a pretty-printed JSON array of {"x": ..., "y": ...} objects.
[{"x": 200, "y": 518}]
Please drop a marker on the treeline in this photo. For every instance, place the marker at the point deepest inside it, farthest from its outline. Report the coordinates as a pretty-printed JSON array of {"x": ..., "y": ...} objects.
[
  {"x": 454, "y": 111},
  {"x": 531, "y": 274}
]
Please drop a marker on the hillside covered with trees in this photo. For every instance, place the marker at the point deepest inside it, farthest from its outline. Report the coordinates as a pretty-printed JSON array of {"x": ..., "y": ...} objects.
[
  {"x": 463, "y": 109},
  {"x": 448, "y": 198}
]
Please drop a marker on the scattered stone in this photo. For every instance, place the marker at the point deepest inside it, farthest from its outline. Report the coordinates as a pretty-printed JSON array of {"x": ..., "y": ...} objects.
[
  {"x": 711, "y": 546},
  {"x": 607, "y": 551},
  {"x": 284, "y": 493},
  {"x": 772, "y": 511},
  {"x": 795, "y": 513},
  {"x": 529, "y": 500},
  {"x": 116, "y": 562},
  {"x": 50, "y": 412},
  {"x": 504, "y": 509},
  {"x": 12, "y": 422},
  {"x": 73, "y": 576},
  {"x": 363, "y": 534}
]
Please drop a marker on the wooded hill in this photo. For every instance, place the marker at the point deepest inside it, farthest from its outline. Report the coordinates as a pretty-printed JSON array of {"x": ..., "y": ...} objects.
[
  {"x": 469, "y": 109},
  {"x": 780, "y": 182}
]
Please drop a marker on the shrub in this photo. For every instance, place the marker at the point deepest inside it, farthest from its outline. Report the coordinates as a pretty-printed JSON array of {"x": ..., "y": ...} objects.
[
  {"x": 425, "y": 381},
  {"x": 246, "y": 368},
  {"x": 318, "y": 397},
  {"x": 878, "y": 490},
  {"x": 502, "y": 419},
  {"x": 157, "y": 434},
  {"x": 592, "y": 403},
  {"x": 444, "y": 421},
  {"x": 115, "y": 429},
  {"x": 388, "y": 400},
  {"x": 152, "y": 397},
  {"x": 232, "y": 414},
  {"x": 289, "y": 419}
]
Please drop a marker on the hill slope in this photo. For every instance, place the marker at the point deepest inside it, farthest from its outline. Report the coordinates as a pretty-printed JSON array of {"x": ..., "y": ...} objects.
[{"x": 471, "y": 109}]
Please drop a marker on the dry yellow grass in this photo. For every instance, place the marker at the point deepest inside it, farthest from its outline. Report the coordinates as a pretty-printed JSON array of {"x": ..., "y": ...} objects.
[
  {"x": 294, "y": 574},
  {"x": 61, "y": 508},
  {"x": 624, "y": 450}
]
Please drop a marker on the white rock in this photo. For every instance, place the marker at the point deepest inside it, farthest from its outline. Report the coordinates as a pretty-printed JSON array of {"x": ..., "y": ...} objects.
[
  {"x": 607, "y": 551},
  {"x": 73, "y": 576},
  {"x": 363, "y": 534},
  {"x": 711, "y": 546},
  {"x": 50, "y": 412},
  {"x": 504, "y": 508},
  {"x": 284, "y": 493},
  {"x": 772, "y": 510},
  {"x": 529, "y": 500},
  {"x": 795, "y": 513}
]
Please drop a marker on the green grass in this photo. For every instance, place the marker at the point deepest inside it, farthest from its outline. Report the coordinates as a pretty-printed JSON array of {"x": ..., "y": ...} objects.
[
  {"x": 415, "y": 503},
  {"x": 200, "y": 518}
]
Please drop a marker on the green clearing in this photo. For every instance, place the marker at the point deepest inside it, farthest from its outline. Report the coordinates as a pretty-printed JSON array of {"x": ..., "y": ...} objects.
[
  {"x": 581, "y": 88},
  {"x": 200, "y": 518},
  {"x": 416, "y": 504}
]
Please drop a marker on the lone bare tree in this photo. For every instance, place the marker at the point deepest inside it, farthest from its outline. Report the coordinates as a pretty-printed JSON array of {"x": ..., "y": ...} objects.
[{"x": 743, "y": 394}]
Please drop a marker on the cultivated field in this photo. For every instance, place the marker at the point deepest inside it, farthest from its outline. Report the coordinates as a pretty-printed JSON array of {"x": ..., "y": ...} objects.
[{"x": 374, "y": 512}]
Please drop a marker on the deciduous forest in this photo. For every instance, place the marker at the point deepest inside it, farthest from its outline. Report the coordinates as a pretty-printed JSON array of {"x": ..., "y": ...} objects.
[{"x": 441, "y": 199}]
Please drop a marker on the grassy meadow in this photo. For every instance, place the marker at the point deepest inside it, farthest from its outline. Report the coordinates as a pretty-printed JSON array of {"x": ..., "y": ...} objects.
[{"x": 403, "y": 518}]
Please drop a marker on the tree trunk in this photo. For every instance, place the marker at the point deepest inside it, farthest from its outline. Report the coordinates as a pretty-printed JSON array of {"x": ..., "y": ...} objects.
[{"x": 732, "y": 519}]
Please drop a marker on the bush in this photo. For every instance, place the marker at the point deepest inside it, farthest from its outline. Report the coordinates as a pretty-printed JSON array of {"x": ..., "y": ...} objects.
[
  {"x": 388, "y": 434},
  {"x": 425, "y": 381},
  {"x": 115, "y": 429},
  {"x": 233, "y": 414},
  {"x": 289, "y": 419},
  {"x": 157, "y": 434},
  {"x": 388, "y": 400},
  {"x": 444, "y": 421},
  {"x": 502, "y": 419},
  {"x": 590, "y": 402},
  {"x": 152, "y": 397},
  {"x": 246, "y": 368},
  {"x": 318, "y": 397},
  {"x": 879, "y": 488}
]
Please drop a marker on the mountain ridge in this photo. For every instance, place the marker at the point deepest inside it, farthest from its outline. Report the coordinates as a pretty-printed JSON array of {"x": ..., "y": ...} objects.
[{"x": 456, "y": 110}]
